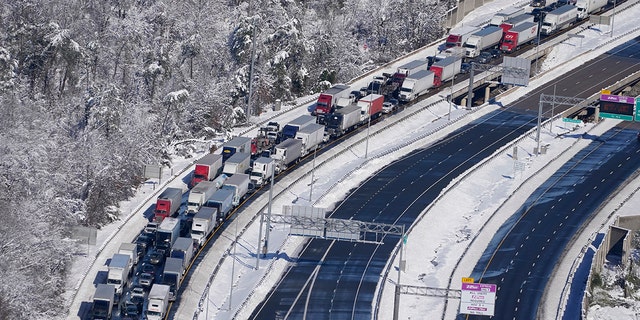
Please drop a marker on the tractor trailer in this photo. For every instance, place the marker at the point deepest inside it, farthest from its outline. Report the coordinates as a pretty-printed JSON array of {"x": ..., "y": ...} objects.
[
  {"x": 559, "y": 19},
  {"x": 519, "y": 36},
  {"x": 239, "y": 162},
  {"x": 457, "y": 37},
  {"x": 287, "y": 153},
  {"x": 203, "y": 223},
  {"x": 342, "y": 121},
  {"x": 445, "y": 70},
  {"x": 103, "y": 301},
  {"x": 416, "y": 85},
  {"x": 167, "y": 204},
  {"x": 371, "y": 106},
  {"x": 207, "y": 168},
  {"x": 262, "y": 169},
  {"x": 239, "y": 184},
  {"x": 222, "y": 201},
  {"x": 587, "y": 7},
  {"x": 167, "y": 233},
  {"x": 486, "y": 38},
  {"x": 199, "y": 195},
  {"x": 158, "y": 302},
  {"x": 236, "y": 144},
  {"x": 290, "y": 129},
  {"x": 505, "y": 14},
  {"x": 328, "y": 99},
  {"x": 118, "y": 274}
]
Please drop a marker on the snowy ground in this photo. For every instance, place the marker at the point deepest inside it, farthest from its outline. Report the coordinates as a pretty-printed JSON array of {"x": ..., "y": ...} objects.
[{"x": 498, "y": 179}]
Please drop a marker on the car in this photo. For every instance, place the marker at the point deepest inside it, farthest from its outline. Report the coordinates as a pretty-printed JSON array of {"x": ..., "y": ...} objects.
[
  {"x": 146, "y": 279},
  {"x": 151, "y": 228},
  {"x": 390, "y": 105},
  {"x": 137, "y": 292},
  {"x": 356, "y": 95},
  {"x": 147, "y": 268},
  {"x": 495, "y": 53},
  {"x": 144, "y": 241},
  {"x": 484, "y": 57},
  {"x": 465, "y": 68},
  {"x": 132, "y": 311},
  {"x": 156, "y": 257}
]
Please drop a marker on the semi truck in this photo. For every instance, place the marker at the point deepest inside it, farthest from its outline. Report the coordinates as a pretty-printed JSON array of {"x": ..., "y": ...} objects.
[
  {"x": 239, "y": 162},
  {"x": 199, "y": 195},
  {"x": 416, "y": 85},
  {"x": 239, "y": 184},
  {"x": 236, "y": 144},
  {"x": 262, "y": 169},
  {"x": 183, "y": 249},
  {"x": 457, "y": 37},
  {"x": 542, "y": 3},
  {"x": 312, "y": 135},
  {"x": 587, "y": 7},
  {"x": 409, "y": 68},
  {"x": 519, "y": 36},
  {"x": 167, "y": 233},
  {"x": 328, "y": 99},
  {"x": 172, "y": 276},
  {"x": 118, "y": 274},
  {"x": 342, "y": 121},
  {"x": 371, "y": 106},
  {"x": 287, "y": 153},
  {"x": 130, "y": 249},
  {"x": 515, "y": 21},
  {"x": 103, "y": 301},
  {"x": 486, "y": 38},
  {"x": 168, "y": 203},
  {"x": 505, "y": 14},
  {"x": 157, "y": 302},
  {"x": 559, "y": 19},
  {"x": 445, "y": 70},
  {"x": 222, "y": 201},
  {"x": 290, "y": 129},
  {"x": 207, "y": 168},
  {"x": 203, "y": 224}
]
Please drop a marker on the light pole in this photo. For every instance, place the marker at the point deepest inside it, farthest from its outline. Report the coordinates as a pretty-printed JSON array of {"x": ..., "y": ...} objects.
[
  {"x": 613, "y": 17},
  {"x": 366, "y": 150},
  {"x": 313, "y": 171},
  {"x": 266, "y": 245}
]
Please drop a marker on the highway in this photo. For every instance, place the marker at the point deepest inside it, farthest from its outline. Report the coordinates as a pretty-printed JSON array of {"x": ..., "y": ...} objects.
[{"x": 336, "y": 280}]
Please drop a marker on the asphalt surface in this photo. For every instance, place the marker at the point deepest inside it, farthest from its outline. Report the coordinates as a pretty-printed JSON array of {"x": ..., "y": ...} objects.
[{"x": 337, "y": 280}]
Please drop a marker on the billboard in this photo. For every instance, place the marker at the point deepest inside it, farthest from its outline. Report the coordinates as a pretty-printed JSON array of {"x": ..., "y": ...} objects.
[
  {"x": 617, "y": 107},
  {"x": 478, "y": 298}
]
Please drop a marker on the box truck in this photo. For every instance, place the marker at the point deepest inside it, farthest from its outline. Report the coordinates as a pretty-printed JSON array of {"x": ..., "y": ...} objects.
[
  {"x": 371, "y": 106},
  {"x": 409, "y": 68},
  {"x": 287, "y": 153},
  {"x": 239, "y": 184},
  {"x": 157, "y": 302},
  {"x": 203, "y": 224},
  {"x": 167, "y": 233},
  {"x": 312, "y": 135},
  {"x": 103, "y": 301},
  {"x": 199, "y": 195},
  {"x": 237, "y": 163},
  {"x": 416, "y": 85},
  {"x": 118, "y": 274},
  {"x": 236, "y": 144},
  {"x": 559, "y": 19},
  {"x": 445, "y": 70},
  {"x": 290, "y": 129},
  {"x": 172, "y": 276},
  {"x": 505, "y": 14},
  {"x": 207, "y": 168},
  {"x": 130, "y": 249},
  {"x": 184, "y": 250},
  {"x": 168, "y": 203},
  {"x": 486, "y": 38}
]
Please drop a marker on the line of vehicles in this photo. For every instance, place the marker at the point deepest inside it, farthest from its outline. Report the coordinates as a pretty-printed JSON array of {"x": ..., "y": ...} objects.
[{"x": 143, "y": 277}]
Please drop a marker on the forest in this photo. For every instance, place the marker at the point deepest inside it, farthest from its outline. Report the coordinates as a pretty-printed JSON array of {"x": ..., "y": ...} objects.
[{"x": 91, "y": 90}]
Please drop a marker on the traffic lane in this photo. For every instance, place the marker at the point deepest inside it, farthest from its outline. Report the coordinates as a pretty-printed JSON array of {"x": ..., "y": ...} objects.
[
  {"x": 586, "y": 80},
  {"x": 435, "y": 167},
  {"x": 524, "y": 259}
]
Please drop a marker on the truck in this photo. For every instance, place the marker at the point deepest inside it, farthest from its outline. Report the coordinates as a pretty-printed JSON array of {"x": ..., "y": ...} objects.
[
  {"x": 542, "y": 3},
  {"x": 118, "y": 274},
  {"x": 183, "y": 249},
  {"x": 328, "y": 99},
  {"x": 167, "y": 234},
  {"x": 239, "y": 184},
  {"x": 172, "y": 276},
  {"x": 237, "y": 163},
  {"x": 199, "y": 195},
  {"x": 203, "y": 223},
  {"x": 458, "y": 36},
  {"x": 236, "y": 144},
  {"x": 157, "y": 302},
  {"x": 312, "y": 136},
  {"x": 445, "y": 69},
  {"x": 515, "y": 21},
  {"x": 342, "y": 121},
  {"x": 587, "y": 7},
  {"x": 207, "y": 168},
  {"x": 290, "y": 129},
  {"x": 559, "y": 19},
  {"x": 486, "y": 38},
  {"x": 287, "y": 153},
  {"x": 519, "y": 36},
  {"x": 505, "y": 14},
  {"x": 103, "y": 301},
  {"x": 409, "y": 68},
  {"x": 371, "y": 106},
  {"x": 168, "y": 203},
  {"x": 262, "y": 169},
  {"x": 222, "y": 201},
  {"x": 130, "y": 249},
  {"x": 416, "y": 85}
]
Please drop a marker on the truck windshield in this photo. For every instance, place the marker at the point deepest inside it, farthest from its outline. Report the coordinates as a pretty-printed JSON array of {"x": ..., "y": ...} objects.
[
  {"x": 256, "y": 174},
  {"x": 403, "y": 89},
  {"x": 466, "y": 45},
  {"x": 197, "y": 232},
  {"x": 100, "y": 307},
  {"x": 154, "y": 313},
  {"x": 114, "y": 281}
]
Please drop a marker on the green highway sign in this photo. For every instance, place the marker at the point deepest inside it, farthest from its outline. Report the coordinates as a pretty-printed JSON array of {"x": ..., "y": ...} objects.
[
  {"x": 616, "y": 116},
  {"x": 571, "y": 120},
  {"x": 638, "y": 108}
]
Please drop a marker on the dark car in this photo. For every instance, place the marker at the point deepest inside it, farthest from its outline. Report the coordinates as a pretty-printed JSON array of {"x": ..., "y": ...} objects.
[
  {"x": 146, "y": 279},
  {"x": 156, "y": 257},
  {"x": 496, "y": 53},
  {"x": 132, "y": 311},
  {"x": 356, "y": 95},
  {"x": 144, "y": 241},
  {"x": 465, "y": 68},
  {"x": 484, "y": 57}
]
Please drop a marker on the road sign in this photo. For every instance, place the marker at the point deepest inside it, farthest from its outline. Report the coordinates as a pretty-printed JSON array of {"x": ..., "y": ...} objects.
[
  {"x": 478, "y": 298},
  {"x": 638, "y": 108},
  {"x": 617, "y": 107},
  {"x": 571, "y": 120},
  {"x": 467, "y": 280}
]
